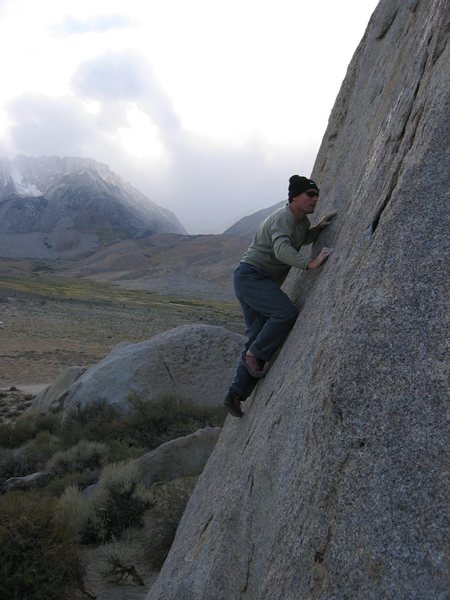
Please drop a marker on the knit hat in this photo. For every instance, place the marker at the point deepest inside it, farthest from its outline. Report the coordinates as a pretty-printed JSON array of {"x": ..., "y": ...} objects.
[{"x": 298, "y": 184}]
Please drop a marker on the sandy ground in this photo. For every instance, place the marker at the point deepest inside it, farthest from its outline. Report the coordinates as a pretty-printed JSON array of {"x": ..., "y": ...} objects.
[
  {"x": 41, "y": 336},
  {"x": 104, "y": 588}
]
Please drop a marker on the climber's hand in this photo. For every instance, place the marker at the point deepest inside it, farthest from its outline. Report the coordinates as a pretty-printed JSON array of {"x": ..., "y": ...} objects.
[
  {"x": 326, "y": 220},
  {"x": 315, "y": 263}
]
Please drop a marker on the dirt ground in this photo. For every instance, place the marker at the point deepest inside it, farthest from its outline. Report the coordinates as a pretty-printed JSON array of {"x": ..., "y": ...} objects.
[{"x": 41, "y": 335}]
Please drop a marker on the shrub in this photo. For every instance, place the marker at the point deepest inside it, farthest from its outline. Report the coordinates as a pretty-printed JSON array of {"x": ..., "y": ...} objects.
[
  {"x": 143, "y": 428},
  {"x": 81, "y": 457},
  {"x": 74, "y": 510},
  {"x": 12, "y": 464},
  {"x": 30, "y": 458},
  {"x": 96, "y": 422},
  {"x": 58, "y": 484},
  {"x": 124, "y": 449},
  {"x": 119, "y": 560},
  {"x": 120, "y": 502},
  {"x": 39, "y": 450},
  {"x": 13, "y": 435},
  {"x": 153, "y": 424},
  {"x": 123, "y": 508},
  {"x": 38, "y": 556}
]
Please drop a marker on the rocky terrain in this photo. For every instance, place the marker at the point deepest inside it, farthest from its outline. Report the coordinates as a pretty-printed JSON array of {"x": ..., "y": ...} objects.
[{"x": 333, "y": 483}]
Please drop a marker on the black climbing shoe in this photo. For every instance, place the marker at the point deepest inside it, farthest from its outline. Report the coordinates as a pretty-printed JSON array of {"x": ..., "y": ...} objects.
[{"x": 233, "y": 403}]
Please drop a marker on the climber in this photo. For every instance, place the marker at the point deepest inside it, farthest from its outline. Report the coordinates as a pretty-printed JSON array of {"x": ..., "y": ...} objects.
[{"x": 269, "y": 314}]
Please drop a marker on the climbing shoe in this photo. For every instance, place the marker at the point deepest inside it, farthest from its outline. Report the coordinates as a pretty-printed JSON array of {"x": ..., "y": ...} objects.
[
  {"x": 255, "y": 366},
  {"x": 232, "y": 403}
]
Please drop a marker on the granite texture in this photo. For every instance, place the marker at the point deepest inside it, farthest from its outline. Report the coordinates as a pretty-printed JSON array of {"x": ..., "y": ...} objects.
[
  {"x": 333, "y": 485},
  {"x": 178, "y": 458},
  {"x": 51, "y": 399},
  {"x": 190, "y": 364},
  {"x": 181, "y": 457}
]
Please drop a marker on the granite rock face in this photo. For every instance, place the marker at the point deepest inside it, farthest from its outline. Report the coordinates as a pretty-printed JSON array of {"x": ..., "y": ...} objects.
[
  {"x": 191, "y": 364},
  {"x": 32, "y": 481},
  {"x": 181, "y": 457},
  {"x": 333, "y": 484},
  {"x": 51, "y": 399}
]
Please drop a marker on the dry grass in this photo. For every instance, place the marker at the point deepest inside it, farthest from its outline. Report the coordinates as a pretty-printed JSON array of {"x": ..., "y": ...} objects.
[
  {"x": 13, "y": 403},
  {"x": 50, "y": 323}
]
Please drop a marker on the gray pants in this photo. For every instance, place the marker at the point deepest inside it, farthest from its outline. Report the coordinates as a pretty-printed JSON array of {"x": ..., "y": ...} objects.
[{"x": 269, "y": 316}]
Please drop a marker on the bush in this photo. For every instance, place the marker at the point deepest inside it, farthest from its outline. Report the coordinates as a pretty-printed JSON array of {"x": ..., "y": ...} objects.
[
  {"x": 13, "y": 435},
  {"x": 120, "y": 502},
  {"x": 39, "y": 450},
  {"x": 124, "y": 507},
  {"x": 38, "y": 555},
  {"x": 96, "y": 422},
  {"x": 124, "y": 449},
  {"x": 153, "y": 424},
  {"x": 74, "y": 510},
  {"x": 13, "y": 464},
  {"x": 81, "y": 480},
  {"x": 143, "y": 428},
  {"x": 30, "y": 458},
  {"x": 119, "y": 560},
  {"x": 82, "y": 457}
]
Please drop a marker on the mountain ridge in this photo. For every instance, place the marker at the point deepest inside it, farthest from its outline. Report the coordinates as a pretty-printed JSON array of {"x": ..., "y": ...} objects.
[
  {"x": 52, "y": 207},
  {"x": 247, "y": 225}
]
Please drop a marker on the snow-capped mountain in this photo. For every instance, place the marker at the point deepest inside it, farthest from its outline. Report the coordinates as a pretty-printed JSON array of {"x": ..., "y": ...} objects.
[{"x": 52, "y": 205}]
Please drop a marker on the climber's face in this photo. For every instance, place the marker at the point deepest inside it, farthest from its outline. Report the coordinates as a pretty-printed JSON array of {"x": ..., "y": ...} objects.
[{"x": 306, "y": 201}]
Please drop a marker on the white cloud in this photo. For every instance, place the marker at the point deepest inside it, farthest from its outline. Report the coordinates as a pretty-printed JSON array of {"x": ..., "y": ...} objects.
[
  {"x": 97, "y": 24},
  {"x": 113, "y": 77},
  {"x": 207, "y": 106},
  {"x": 49, "y": 126}
]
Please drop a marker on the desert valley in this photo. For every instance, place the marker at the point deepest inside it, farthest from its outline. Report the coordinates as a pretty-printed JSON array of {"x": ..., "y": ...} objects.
[{"x": 125, "y": 474}]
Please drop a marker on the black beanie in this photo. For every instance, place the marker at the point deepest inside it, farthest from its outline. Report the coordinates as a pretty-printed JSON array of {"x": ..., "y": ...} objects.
[{"x": 298, "y": 184}]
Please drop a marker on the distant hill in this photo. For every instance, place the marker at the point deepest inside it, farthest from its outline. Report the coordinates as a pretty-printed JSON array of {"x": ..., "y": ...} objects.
[
  {"x": 54, "y": 207},
  {"x": 191, "y": 266},
  {"x": 247, "y": 225},
  {"x": 76, "y": 218}
]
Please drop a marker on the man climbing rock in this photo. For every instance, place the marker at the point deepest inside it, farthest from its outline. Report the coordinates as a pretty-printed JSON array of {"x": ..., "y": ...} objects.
[{"x": 268, "y": 312}]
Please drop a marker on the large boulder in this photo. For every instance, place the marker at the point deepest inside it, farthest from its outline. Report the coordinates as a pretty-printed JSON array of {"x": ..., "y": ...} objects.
[
  {"x": 178, "y": 458},
  {"x": 333, "y": 485},
  {"x": 27, "y": 482},
  {"x": 191, "y": 364},
  {"x": 51, "y": 399},
  {"x": 181, "y": 457}
]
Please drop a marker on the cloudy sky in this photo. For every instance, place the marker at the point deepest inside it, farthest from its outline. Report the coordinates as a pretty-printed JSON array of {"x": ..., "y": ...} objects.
[{"x": 206, "y": 106}]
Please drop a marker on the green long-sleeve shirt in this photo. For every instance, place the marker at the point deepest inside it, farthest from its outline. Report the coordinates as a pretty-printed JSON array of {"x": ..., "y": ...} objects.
[{"x": 276, "y": 244}]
